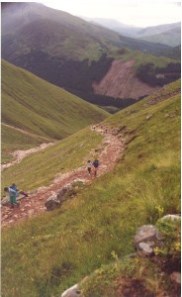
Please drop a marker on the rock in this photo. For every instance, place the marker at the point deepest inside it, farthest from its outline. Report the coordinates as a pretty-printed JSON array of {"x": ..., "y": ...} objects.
[
  {"x": 166, "y": 115},
  {"x": 146, "y": 248},
  {"x": 5, "y": 202},
  {"x": 66, "y": 192},
  {"x": 146, "y": 233},
  {"x": 52, "y": 203},
  {"x": 171, "y": 217},
  {"x": 176, "y": 277},
  {"x": 146, "y": 239},
  {"x": 72, "y": 292},
  {"x": 55, "y": 201},
  {"x": 148, "y": 117}
]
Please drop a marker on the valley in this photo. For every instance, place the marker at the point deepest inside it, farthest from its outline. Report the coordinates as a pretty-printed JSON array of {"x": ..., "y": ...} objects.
[
  {"x": 83, "y": 224},
  {"x": 77, "y": 55},
  {"x": 73, "y": 91}
]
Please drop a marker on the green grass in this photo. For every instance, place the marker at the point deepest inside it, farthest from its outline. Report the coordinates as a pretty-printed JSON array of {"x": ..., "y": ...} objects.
[
  {"x": 126, "y": 272},
  {"x": 13, "y": 139},
  {"x": 141, "y": 58},
  {"x": 37, "y": 106},
  {"x": 65, "y": 155},
  {"x": 56, "y": 250}
]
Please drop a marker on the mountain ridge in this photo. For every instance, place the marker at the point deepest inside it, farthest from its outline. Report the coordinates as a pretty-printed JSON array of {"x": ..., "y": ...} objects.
[
  {"x": 153, "y": 33},
  {"x": 67, "y": 50}
]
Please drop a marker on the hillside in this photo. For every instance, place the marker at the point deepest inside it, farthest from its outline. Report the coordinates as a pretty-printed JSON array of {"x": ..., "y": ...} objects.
[
  {"x": 55, "y": 250},
  {"x": 40, "y": 108},
  {"x": 168, "y": 37},
  {"x": 70, "y": 52},
  {"x": 169, "y": 34}
]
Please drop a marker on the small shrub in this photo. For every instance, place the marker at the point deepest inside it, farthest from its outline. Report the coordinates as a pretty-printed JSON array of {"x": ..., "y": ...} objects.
[{"x": 170, "y": 230}]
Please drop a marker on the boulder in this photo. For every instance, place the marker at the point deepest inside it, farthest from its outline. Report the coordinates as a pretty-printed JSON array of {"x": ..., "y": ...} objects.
[
  {"x": 56, "y": 200},
  {"x": 52, "y": 203},
  {"x": 146, "y": 233},
  {"x": 72, "y": 292},
  {"x": 66, "y": 192},
  {"x": 176, "y": 277},
  {"x": 146, "y": 239}
]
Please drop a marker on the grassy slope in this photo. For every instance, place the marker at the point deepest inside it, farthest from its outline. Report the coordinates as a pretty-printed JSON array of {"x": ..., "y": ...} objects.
[
  {"x": 51, "y": 252},
  {"x": 13, "y": 139},
  {"x": 140, "y": 58},
  {"x": 37, "y": 106},
  {"x": 65, "y": 155}
]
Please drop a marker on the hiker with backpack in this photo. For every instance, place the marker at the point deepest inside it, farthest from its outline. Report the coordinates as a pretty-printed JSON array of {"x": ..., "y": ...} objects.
[
  {"x": 14, "y": 187},
  {"x": 89, "y": 166},
  {"x": 12, "y": 196},
  {"x": 95, "y": 165}
]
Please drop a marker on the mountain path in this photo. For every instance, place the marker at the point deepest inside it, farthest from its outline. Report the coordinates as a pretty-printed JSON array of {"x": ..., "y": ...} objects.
[
  {"x": 26, "y": 132},
  {"x": 19, "y": 155},
  {"x": 109, "y": 152}
]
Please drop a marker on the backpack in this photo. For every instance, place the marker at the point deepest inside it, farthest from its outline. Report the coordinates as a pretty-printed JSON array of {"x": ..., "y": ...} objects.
[{"x": 96, "y": 163}]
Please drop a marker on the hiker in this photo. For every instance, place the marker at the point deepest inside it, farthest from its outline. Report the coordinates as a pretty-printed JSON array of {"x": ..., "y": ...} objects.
[
  {"x": 96, "y": 165},
  {"x": 12, "y": 196},
  {"x": 89, "y": 166},
  {"x": 14, "y": 187}
]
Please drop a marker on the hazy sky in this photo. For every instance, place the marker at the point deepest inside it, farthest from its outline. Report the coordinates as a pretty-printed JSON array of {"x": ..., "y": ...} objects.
[
  {"x": 140, "y": 13},
  {"x": 133, "y": 12}
]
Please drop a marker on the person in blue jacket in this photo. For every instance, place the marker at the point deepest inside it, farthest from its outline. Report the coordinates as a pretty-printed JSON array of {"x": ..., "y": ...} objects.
[
  {"x": 12, "y": 196},
  {"x": 14, "y": 187}
]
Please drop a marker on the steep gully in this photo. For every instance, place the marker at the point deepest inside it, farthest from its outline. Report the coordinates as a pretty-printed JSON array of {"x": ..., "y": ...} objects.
[{"x": 109, "y": 152}]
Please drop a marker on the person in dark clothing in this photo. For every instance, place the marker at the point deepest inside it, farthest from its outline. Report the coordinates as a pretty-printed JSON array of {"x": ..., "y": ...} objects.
[{"x": 95, "y": 165}]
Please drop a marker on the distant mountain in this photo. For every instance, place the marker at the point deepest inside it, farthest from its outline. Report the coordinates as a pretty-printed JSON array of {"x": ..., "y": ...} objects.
[
  {"x": 168, "y": 34},
  {"x": 72, "y": 53},
  {"x": 59, "y": 33},
  {"x": 121, "y": 28}
]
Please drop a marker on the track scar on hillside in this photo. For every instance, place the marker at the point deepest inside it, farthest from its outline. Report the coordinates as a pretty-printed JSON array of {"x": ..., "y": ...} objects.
[{"x": 109, "y": 152}]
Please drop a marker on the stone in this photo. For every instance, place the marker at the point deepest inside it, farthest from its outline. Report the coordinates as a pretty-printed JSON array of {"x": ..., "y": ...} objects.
[
  {"x": 148, "y": 117},
  {"x": 146, "y": 239},
  {"x": 176, "y": 277},
  {"x": 146, "y": 248},
  {"x": 65, "y": 192},
  {"x": 72, "y": 292},
  {"x": 52, "y": 203},
  {"x": 171, "y": 217},
  {"x": 146, "y": 233},
  {"x": 5, "y": 202},
  {"x": 56, "y": 200}
]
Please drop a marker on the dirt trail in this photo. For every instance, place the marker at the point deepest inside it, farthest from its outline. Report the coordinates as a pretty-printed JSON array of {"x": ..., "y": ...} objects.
[
  {"x": 26, "y": 132},
  {"x": 19, "y": 155},
  {"x": 108, "y": 152}
]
